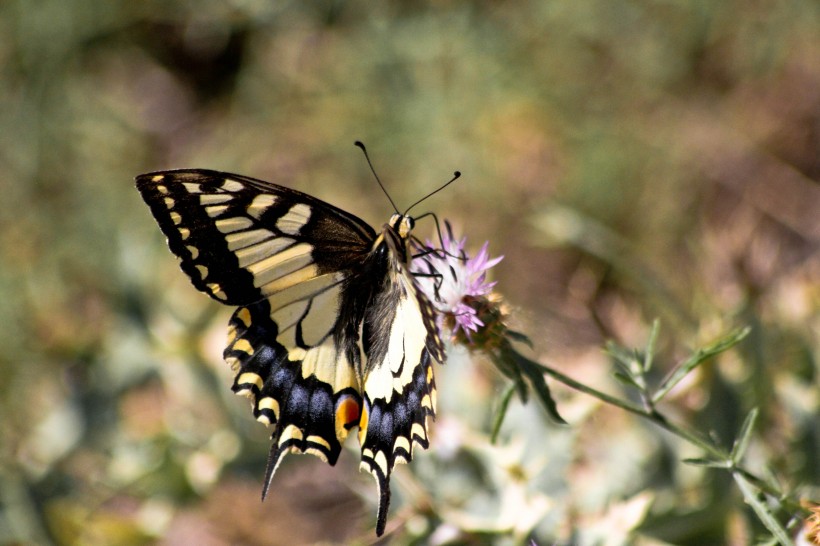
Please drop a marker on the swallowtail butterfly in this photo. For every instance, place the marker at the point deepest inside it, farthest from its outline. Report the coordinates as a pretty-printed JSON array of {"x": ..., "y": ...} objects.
[{"x": 331, "y": 331}]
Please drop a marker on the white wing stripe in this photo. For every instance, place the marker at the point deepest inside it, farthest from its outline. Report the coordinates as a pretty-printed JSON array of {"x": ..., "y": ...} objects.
[
  {"x": 214, "y": 198},
  {"x": 294, "y": 220},
  {"x": 246, "y": 238},
  {"x": 277, "y": 266},
  {"x": 229, "y": 225},
  {"x": 260, "y": 204},
  {"x": 260, "y": 251}
]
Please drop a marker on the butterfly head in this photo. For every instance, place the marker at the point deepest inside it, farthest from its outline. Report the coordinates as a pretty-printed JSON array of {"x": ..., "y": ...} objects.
[{"x": 402, "y": 225}]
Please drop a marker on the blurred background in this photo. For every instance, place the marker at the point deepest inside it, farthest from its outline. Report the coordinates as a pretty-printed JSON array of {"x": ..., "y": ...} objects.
[{"x": 631, "y": 159}]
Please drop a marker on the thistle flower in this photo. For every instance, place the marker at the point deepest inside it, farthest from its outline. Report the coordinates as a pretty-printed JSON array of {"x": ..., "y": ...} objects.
[{"x": 456, "y": 283}]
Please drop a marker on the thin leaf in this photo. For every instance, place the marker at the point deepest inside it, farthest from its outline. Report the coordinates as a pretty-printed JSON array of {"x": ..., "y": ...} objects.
[
  {"x": 622, "y": 356},
  {"x": 699, "y": 357},
  {"x": 521, "y": 338},
  {"x": 626, "y": 380},
  {"x": 507, "y": 364},
  {"x": 762, "y": 511},
  {"x": 649, "y": 355},
  {"x": 503, "y": 404},
  {"x": 709, "y": 463},
  {"x": 745, "y": 436},
  {"x": 532, "y": 371}
]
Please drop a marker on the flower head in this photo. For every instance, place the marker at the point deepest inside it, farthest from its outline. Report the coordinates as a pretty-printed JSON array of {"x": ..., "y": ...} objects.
[{"x": 455, "y": 282}]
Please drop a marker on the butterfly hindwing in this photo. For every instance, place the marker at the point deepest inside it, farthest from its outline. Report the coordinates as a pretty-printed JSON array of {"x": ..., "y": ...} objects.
[
  {"x": 400, "y": 339},
  {"x": 311, "y": 397},
  {"x": 331, "y": 332}
]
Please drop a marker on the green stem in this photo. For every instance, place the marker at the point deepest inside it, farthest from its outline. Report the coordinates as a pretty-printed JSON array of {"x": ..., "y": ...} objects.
[{"x": 691, "y": 436}]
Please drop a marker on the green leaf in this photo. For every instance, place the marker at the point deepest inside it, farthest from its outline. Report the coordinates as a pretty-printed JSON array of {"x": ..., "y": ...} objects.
[
  {"x": 533, "y": 372},
  {"x": 649, "y": 354},
  {"x": 742, "y": 441},
  {"x": 622, "y": 356},
  {"x": 505, "y": 361},
  {"x": 521, "y": 338},
  {"x": 626, "y": 380},
  {"x": 763, "y": 513},
  {"x": 709, "y": 463},
  {"x": 699, "y": 357},
  {"x": 503, "y": 404}
]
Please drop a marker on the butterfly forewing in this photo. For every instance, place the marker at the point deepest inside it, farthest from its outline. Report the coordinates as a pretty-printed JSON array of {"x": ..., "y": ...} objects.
[
  {"x": 331, "y": 331},
  {"x": 240, "y": 239}
]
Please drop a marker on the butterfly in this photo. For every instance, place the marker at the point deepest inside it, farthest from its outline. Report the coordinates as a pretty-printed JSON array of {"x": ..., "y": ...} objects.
[{"x": 331, "y": 332}]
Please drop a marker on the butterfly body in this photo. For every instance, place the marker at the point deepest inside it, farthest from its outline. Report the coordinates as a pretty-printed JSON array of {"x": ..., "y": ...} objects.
[{"x": 331, "y": 330}]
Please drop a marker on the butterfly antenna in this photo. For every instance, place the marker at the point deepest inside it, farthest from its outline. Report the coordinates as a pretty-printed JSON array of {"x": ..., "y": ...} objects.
[
  {"x": 367, "y": 157},
  {"x": 456, "y": 176}
]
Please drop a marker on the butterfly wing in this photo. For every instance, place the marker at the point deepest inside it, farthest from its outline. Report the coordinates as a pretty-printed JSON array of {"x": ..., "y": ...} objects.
[
  {"x": 240, "y": 239},
  {"x": 284, "y": 257},
  {"x": 401, "y": 342}
]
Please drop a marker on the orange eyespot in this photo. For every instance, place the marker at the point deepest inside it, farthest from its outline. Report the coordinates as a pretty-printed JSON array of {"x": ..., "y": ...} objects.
[{"x": 347, "y": 412}]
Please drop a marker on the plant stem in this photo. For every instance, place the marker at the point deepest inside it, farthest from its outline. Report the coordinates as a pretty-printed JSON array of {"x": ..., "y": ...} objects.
[{"x": 691, "y": 436}]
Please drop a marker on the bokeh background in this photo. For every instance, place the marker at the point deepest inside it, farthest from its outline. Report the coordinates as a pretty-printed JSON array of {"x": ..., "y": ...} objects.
[{"x": 631, "y": 159}]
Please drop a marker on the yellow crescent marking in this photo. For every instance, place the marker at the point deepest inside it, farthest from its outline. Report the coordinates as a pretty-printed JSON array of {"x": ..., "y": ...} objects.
[
  {"x": 318, "y": 452},
  {"x": 401, "y": 443},
  {"x": 233, "y": 362},
  {"x": 184, "y": 233},
  {"x": 381, "y": 460},
  {"x": 245, "y": 392},
  {"x": 250, "y": 378},
  {"x": 176, "y": 218},
  {"x": 169, "y": 202},
  {"x": 418, "y": 430},
  {"x": 203, "y": 271},
  {"x": 318, "y": 440},
  {"x": 271, "y": 404},
  {"x": 291, "y": 431},
  {"x": 158, "y": 178},
  {"x": 244, "y": 316},
  {"x": 193, "y": 250},
  {"x": 244, "y": 346}
]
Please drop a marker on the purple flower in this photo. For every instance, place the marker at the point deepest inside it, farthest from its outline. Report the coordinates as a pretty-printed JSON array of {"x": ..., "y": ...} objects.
[{"x": 454, "y": 281}]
